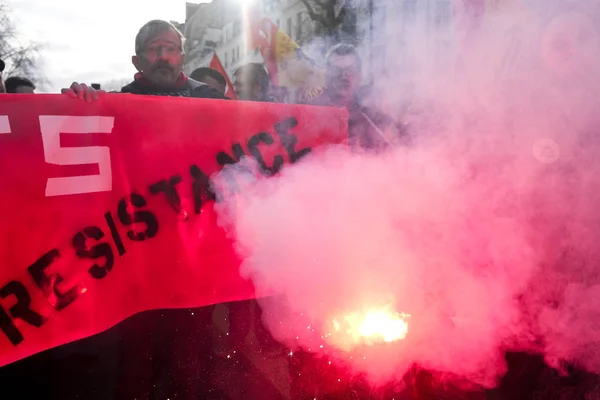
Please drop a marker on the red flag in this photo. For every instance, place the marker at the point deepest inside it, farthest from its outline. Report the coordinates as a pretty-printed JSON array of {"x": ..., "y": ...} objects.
[
  {"x": 215, "y": 64},
  {"x": 287, "y": 64}
]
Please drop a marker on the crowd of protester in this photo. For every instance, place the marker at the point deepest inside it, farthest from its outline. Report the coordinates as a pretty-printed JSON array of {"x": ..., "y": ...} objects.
[
  {"x": 14, "y": 84},
  {"x": 159, "y": 57},
  {"x": 172, "y": 354},
  {"x": 162, "y": 354}
]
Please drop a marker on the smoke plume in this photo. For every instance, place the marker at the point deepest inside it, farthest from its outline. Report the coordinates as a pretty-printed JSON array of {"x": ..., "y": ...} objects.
[{"x": 483, "y": 230}]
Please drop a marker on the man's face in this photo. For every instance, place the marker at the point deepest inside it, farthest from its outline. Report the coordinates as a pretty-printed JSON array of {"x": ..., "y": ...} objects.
[
  {"x": 214, "y": 84},
  {"x": 570, "y": 46},
  {"x": 24, "y": 89},
  {"x": 245, "y": 88},
  {"x": 343, "y": 75},
  {"x": 161, "y": 59}
]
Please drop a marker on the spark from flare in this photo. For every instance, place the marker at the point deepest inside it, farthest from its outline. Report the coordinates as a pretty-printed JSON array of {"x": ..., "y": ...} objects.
[{"x": 373, "y": 326}]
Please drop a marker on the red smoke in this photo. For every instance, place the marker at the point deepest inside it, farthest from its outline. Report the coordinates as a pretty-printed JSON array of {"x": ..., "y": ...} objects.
[
  {"x": 411, "y": 230},
  {"x": 485, "y": 232}
]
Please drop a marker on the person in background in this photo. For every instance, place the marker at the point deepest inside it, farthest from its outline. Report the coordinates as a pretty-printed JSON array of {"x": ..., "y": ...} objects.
[
  {"x": 248, "y": 335},
  {"x": 211, "y": 77},
  {"x": 252, "y": 82},
  {"x": 2, "y": 88},
  {"x": 15, "y": 84},
  {"x": 343, "y": 78},
  {"x": 158, "y": 59},
  {"x": 163, "y": 353},
  {"x": 368, "y": 128}
]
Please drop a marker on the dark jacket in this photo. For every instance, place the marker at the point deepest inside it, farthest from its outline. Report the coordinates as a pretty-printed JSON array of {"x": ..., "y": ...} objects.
[
  {"x": 368, "y": 128},
  {"x": 186, "y": 87}
]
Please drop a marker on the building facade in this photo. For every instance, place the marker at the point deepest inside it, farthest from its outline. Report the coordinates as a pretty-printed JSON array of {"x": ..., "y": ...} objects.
[
  {"x": 395, "y": 36},
  {"x": 218, "y": 27}
]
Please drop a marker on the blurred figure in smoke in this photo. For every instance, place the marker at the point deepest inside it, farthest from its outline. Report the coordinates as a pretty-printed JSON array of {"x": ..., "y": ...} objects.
[
  {"x": 367, "y": 128},
  {"x": 342, "y": 78},
  {"x": 16, "y": 84},
  {"x": 211, "y": 77},
  {"x": 252, "y": 82},
  {"x": 570, "y": 45},
  {"x": 570, "y": 52}
]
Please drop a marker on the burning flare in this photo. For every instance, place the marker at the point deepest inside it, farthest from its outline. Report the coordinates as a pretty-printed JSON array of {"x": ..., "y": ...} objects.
[{"x": 373, "y": 326}]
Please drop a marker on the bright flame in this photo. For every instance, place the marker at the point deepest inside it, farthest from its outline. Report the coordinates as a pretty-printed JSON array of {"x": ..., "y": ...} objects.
[
  {"x": 388, "y": 326},
  {"x": 381, "y": 325}
]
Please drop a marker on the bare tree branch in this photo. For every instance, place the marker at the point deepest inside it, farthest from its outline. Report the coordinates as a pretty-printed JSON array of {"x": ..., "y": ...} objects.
[
  {"x": 313, "y": 15},
  {"x": 115, "y": 85},
  {"x": 329, "y": 23},
  {"x": 20, "y": 58}
]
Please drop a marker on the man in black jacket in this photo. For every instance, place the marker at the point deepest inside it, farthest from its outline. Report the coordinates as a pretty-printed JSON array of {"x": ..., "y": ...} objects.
[
  {"x": 159, "y": 54},
  {"x": 368, "y": 128},
  {"x": 163, "y": 353}
]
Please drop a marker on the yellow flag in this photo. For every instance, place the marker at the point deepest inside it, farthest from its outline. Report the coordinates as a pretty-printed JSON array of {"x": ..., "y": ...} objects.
[{"x": 286, "y": 62}]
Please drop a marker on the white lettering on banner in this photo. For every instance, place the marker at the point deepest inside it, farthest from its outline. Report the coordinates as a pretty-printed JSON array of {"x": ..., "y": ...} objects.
[
  {"x": 4, "y": 124},
  {"x": 51, "y": 127}
]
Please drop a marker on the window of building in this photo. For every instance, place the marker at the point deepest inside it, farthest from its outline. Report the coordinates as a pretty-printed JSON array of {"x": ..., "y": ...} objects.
[
  {"x": 410, "y": 8},
  {"x": 289, "y": 27},
  {"x": 443, "y": 13},
  {"x": 299, "y": 25},
  {"x": 226, "y": 59},
  {"x": 442, "y": 58},
  {"x": 237, "y": 28},
  {"x": 379, "y": 17},
  {"x": 379, "y": 60},
  {"x": 237, "y": 51},
  {"x": 277, "y": 22}
]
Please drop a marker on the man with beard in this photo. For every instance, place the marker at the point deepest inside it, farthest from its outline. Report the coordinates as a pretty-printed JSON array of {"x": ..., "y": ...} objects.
[
  {"x": 367, "y": 127},
  {"x": 158, "y": 59},
  {"x": 163, "y": 353}
]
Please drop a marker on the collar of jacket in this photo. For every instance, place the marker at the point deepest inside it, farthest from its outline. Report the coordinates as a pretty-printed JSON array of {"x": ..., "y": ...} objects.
[{"x": 141, "y": 80}]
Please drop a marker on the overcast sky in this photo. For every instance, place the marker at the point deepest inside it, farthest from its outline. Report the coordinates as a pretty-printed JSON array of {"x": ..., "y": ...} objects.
[{"x": 89, "y": 41}]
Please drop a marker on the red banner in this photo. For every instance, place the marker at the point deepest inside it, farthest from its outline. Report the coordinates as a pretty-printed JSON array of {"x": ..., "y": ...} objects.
[{"x": 107, "y": 207}]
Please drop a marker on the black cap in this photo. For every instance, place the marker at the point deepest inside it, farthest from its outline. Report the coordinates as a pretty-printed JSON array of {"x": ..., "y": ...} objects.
[{"x": 1, "y": 66}]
